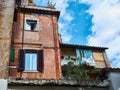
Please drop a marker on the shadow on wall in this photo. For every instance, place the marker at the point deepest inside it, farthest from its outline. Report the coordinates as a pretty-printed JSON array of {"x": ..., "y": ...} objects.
[{"x": 114, "y": 78}]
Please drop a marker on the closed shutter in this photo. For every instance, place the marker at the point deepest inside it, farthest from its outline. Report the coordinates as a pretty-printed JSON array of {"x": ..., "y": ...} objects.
[
  {"x": 21, "y": 60},
  {"x": 40, "y": 60},
  {"x": 12, "y": 54}
]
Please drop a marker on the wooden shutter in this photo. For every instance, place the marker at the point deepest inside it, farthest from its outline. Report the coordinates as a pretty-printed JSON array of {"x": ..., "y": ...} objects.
[
  {"x": 21, "y": 60},
  {"x": 12, "y": 54},
  {"x": 40, "y": 60}
]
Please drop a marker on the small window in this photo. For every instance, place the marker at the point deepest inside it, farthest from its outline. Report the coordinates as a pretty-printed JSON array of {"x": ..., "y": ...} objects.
[
  {"x": 30, "y": 61},
  {"x": 31, "y": 25}
]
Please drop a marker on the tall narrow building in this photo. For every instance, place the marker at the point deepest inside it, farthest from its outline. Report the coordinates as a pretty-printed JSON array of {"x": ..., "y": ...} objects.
[{"x": 35, "y": 51}]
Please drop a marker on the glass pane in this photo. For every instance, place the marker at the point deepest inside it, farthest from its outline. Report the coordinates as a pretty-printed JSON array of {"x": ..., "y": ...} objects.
[
  {"x": 27, "y": 26},
  {"x": 78, "y": 54},
  {"x": 31, "y": 61},
  {"x": 34, "y": 61},
  {"x": 27, "y": 61},
  {"x": 31, "y": 25},
  {"x": 88, "y": 56}
]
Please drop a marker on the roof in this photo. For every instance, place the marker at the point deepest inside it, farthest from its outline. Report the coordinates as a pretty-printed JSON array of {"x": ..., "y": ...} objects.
[
  {"x": 53, "y": 82},
  {"x": 82, "y": 46},
  {"x": 61, "y": 82},
  {"x": 40, "y": 9}
]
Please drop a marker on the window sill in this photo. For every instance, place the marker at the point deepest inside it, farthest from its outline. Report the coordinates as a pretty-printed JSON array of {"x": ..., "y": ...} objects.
[
  {"x": 32, "y": 30},
  {"x": 30, "y": 71}
]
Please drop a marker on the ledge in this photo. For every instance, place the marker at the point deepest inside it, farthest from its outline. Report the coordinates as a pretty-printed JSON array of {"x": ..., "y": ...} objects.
[{"x": 53, "y": 82}]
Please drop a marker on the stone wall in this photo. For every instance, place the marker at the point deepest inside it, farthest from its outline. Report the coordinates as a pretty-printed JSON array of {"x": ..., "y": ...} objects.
[{"x": 6, "y": 20}]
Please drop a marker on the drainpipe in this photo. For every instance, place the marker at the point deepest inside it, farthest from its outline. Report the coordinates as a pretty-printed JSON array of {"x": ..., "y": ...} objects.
[
  {"x": 23, "y": 27},
  {"x": 23, "y": 34}
]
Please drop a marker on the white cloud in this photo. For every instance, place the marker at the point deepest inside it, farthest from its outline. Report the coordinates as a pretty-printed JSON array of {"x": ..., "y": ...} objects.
[
  {"x": 66, "y": 17},
  {"x": 106, "y": 26},
  {"x": 66, "y": 37}
]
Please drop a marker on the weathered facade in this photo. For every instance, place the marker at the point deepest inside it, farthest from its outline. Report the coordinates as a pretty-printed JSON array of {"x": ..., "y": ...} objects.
[
  {"x": 35, "y": 34},
  {"x": 37, "y": 51},
  {"x": 93, "y": 56},
  {"x": 6, "y": 21},
  {"x": 5, "y": 35},
  {"x": 37, "y": 55}
]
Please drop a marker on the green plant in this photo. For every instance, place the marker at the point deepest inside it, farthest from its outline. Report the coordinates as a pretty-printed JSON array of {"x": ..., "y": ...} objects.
[
  {"x": 30, "y": 1},
  {"x": 95, "y": 70},
  {"x": 50, "y": 3},
  {"x": 77, "y": 72}
]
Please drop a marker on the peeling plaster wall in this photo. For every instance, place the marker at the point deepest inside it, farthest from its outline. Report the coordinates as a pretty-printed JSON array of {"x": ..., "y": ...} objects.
[{"x": 6, "y": 20}]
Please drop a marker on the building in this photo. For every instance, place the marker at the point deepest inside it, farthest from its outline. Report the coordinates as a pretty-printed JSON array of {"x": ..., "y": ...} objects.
[
  {"x": 6, "y": 20},
  {"x": 93, "y": 56},
  {"x": 38, "y": 57},
  {"x": 35, "y": 39}
]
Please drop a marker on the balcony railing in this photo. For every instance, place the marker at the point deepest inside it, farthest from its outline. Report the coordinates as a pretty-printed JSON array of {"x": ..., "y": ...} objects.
[
  {"x": 65, "y": 62},
  {"x": 76, "y": 61}
]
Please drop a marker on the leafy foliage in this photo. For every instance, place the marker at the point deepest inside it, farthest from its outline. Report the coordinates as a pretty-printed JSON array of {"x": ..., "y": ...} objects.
[
  {"x": 50, "y": 3},
  {"x": 77, "y": 72},
  {"x": 80, "y": 72},
  {"x": 30, "y": 1}
]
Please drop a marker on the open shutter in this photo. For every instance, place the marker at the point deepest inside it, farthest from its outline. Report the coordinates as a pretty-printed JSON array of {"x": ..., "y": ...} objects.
[
  {"x": 21, "y": 60},
  {"x": 12, "y": 54},
  {"x": 40, "y": 60}
]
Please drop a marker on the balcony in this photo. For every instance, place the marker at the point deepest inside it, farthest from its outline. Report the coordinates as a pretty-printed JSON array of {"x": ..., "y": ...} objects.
[
  {"x": 66, "y": 59},
  {"x": 76, "y": 60}
]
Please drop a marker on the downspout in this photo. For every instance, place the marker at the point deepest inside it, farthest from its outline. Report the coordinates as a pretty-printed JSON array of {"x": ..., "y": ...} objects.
[
  {"x": 23, "y": 35},
  {"x": 23, "y": 27}
]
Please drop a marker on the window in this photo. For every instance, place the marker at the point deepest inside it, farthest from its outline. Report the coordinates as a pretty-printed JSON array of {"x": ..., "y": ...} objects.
[
  {"x": 30, "y": 60},
  {"x": 85, "y": 56},
  {"x": 31, "y": 25}
]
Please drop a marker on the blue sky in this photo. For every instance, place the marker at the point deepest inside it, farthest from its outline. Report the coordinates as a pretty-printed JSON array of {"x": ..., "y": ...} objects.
[
  {"x": 77, "y": 23},
  {"x": 90, "y": 22}
]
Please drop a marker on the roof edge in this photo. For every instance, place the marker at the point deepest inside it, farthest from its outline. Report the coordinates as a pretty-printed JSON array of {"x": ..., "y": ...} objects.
[{"x": 82, "y": 46}]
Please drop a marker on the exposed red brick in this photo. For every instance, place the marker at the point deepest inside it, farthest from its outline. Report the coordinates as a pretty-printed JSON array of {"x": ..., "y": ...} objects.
[{"x": 46, "y": 38}]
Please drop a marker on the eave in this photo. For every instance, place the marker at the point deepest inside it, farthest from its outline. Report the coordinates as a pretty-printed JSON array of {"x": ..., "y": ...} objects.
[
  {"x": 38, "y": 10},
  {"x": 82, "y": 47},
  {"x": 52, "y": 82}
]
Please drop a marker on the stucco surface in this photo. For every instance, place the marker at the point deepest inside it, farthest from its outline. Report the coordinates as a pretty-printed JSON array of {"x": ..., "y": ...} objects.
[{"x": 6, "y": 19}]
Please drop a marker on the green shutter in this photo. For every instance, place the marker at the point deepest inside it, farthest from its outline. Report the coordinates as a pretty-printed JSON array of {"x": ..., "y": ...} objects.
[{"x": 12, "y": 53}]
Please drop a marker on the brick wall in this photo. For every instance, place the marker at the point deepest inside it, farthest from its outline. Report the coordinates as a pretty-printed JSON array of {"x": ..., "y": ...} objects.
[{"x": 45, "y": 38}]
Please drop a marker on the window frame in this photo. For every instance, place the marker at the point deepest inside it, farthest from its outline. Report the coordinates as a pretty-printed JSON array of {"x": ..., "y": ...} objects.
[
  {"x": 31, "y": 19},
  {"x": 83, "y": 55},
  {"x": 39, "y": 62},
  {"x": 31, "y": 60}
]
